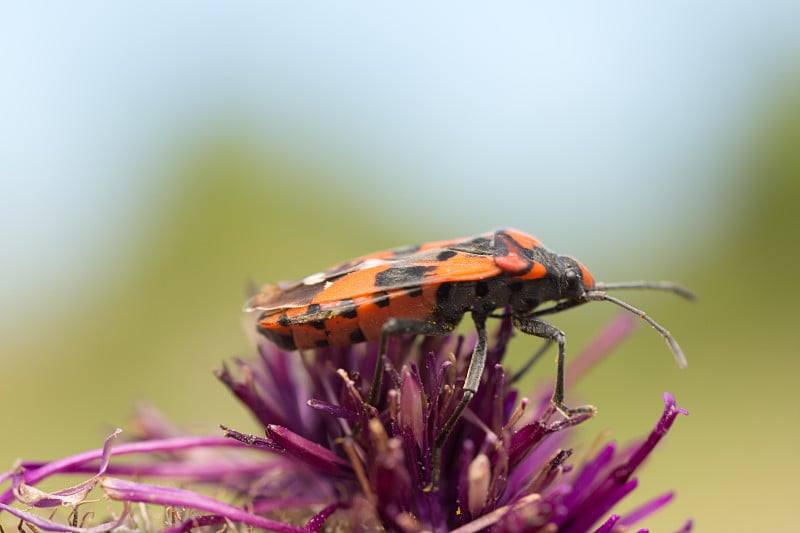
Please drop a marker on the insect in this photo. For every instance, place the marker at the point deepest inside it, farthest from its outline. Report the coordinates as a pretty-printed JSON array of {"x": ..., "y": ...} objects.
[{"x": 427, "y": 289}]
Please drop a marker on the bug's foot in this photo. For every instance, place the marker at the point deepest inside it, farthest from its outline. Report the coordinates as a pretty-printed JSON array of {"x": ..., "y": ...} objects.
[{"x": 574, "y": 412}]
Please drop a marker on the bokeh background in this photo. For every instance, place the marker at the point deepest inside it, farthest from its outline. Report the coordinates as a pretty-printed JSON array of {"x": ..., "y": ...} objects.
[{"x": 156, "y": 159}]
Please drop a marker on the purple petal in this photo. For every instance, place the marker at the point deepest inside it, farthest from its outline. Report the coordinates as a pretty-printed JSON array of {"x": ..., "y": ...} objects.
[
  {"x": 330, "y": 409},
  {"x": 590, "y": 511},
  {"x": 647, "y": 509},
  {"x": 608, "y": 525},
  {"x": 252, "y": 440},
  {"x": 312, "y": 525},
  {"x": 521, "y": 474},
  {"x": 197, "y": 521},
  {"x": 549, "y": 471},
  {"x": 70, "y": 496},
  {"x": 120, "y": 489},
  {"x": 618, "y": 483},
  {"x": 309, "y": 452},
  {"x": 528, "y": 437},
  {"x": 588, "y": 474},
  {"x": 411, "y": 399},
  {"x": 465, "y": 452},
  {"x": 391, "y": 480},
  {"x": 213, "y": 469},
  {"x": 671, "y": 412},
  {"x": 150, "y": 423},
  {"x": 67, "y": 464},
  {"x": 318, "y": 520},
  {"x": 513, "y": 517},
  {"x": 245, "y": 391},
  {"x": 48, "y": 525},
  {"x": 524, "y": 440}
]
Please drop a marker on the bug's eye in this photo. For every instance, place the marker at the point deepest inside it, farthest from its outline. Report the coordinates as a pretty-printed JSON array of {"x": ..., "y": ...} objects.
[{"x": 572, "y": 277}]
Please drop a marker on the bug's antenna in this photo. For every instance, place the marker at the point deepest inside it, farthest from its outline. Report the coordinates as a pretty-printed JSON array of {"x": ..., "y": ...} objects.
[
  {"x": 599, "y": 295},
  {"x": 656, "y": 285}
]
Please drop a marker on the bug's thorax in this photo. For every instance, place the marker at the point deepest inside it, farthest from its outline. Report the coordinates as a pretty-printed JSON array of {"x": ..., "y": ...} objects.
[
  {"x": 560, "y": 278},
  {"x": 564, "y": 279}
]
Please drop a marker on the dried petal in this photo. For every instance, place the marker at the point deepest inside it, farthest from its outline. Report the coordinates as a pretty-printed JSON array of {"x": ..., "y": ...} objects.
[{"x": 478, "y": 479}]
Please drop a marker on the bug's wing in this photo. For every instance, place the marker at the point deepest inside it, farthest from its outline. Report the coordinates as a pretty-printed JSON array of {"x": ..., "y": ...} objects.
[
  {"x": 401, "y": 268},
  {"x": 394, "y": 255},
  {"x": 423, "y": 270},
  {"x": 299, "y": 293}
]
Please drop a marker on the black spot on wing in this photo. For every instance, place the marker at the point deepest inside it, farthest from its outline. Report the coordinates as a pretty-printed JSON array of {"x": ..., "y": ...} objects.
[
  {"x": 477, "y": 246},
  {"x": 284, "y": 342},
  {"x": 444, "y": 255},
  {"x": 298, "y": 295},
  {"x": 414, "y": 292},
  {"x": 402, "y": 275},
  {"x": 405, "y": 250},
  {"x": 357, "y": 336},
  {"x": 322, "y": 343},
  {"x": 382, "y": 299},
  {"x": 314, "y": 316},
  {"x": 347, "y": 309}
]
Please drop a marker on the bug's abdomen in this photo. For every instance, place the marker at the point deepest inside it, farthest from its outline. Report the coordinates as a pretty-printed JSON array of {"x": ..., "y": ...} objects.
[{"x": 345, "y": 322}]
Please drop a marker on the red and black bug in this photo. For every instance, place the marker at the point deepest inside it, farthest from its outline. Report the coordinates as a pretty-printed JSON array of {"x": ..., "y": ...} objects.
[{"x": 427, "y": 289}]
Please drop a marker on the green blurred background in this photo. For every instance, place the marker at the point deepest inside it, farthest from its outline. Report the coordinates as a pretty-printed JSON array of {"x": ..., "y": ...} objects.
[{"x": 156, "y": 160}]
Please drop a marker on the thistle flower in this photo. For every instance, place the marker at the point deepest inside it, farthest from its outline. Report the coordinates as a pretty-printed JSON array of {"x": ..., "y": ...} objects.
[{"x": 330, "y": 460}]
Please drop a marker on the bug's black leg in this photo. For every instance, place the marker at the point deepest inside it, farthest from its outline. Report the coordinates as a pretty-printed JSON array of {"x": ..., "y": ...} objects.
[
  {"x": 471, "y": 383},
  {"x": 399, "y": 326},
  {"x": 539, "y": 328}
]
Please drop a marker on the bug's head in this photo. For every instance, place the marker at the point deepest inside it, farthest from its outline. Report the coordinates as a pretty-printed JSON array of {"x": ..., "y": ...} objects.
[
  {"x": 577, "y": 286},
  {"x": 546, "y": 275},
  {"x": 574, "y": 281}
]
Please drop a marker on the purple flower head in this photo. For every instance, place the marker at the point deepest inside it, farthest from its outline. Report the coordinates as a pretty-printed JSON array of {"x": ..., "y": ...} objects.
[{"x": 329, "y": 459}]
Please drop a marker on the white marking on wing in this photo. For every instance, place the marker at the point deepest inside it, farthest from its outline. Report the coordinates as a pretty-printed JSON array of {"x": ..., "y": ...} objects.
[
  {"x": 313, "y": 279},
  {"x": 369, "y": 263}
]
